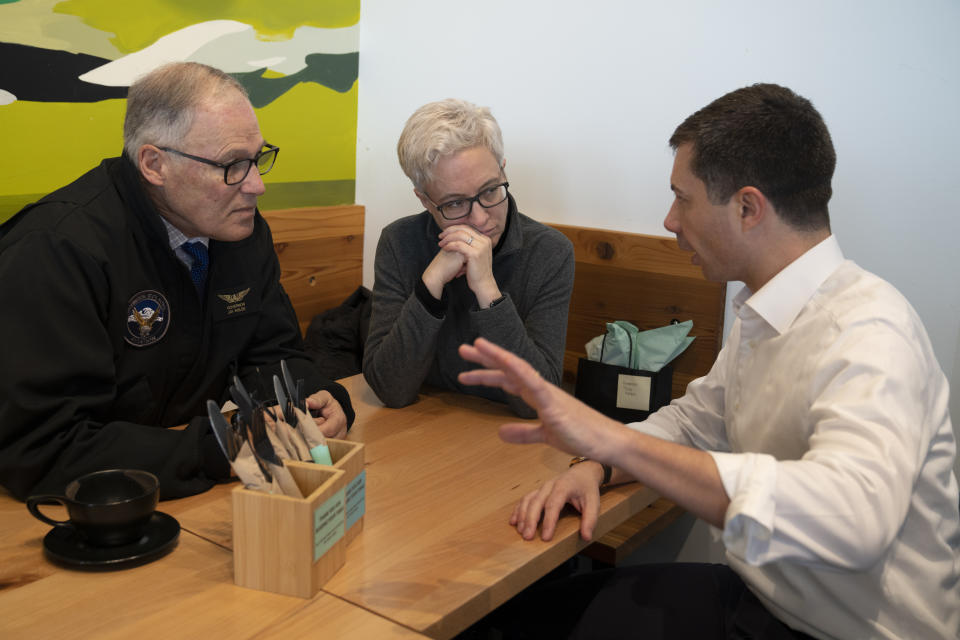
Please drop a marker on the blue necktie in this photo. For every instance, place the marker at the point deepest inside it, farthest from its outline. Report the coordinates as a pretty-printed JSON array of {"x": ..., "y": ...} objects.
[{"x": 201, "y": 260}]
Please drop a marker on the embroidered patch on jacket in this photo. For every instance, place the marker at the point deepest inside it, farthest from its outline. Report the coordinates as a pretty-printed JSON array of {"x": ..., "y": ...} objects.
[
  {"x": 234, "y": 301},
  {"x": 148, "y": 318}
]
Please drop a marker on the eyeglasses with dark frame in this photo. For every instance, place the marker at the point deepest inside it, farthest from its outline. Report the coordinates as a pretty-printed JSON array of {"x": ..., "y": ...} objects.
[
  {"x": 461, "y": 207},
  {"x": 236, "y": 172}
]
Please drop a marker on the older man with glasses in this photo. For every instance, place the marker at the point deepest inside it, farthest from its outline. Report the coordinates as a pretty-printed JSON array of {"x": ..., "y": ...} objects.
[
  {"x": 134, "y": 294},
  {"x": 470, "y": 265}
]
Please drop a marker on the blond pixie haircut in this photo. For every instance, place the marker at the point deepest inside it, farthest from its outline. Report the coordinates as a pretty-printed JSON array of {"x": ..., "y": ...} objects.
[{"x": 442, "y": 128}]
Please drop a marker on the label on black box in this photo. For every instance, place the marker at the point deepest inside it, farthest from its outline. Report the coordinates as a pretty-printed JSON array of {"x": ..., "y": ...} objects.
[{"x": 633, "y": 392}]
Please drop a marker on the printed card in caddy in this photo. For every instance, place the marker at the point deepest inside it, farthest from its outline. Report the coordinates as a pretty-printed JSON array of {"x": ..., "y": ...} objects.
[{"x": 349, "y": 457}]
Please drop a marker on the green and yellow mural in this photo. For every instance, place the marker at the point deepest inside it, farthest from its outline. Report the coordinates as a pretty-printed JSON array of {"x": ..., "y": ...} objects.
[{"x": 65, "y": 66}]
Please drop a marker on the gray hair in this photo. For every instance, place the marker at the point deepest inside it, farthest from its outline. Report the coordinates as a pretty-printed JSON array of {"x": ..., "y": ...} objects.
[
  {"x": 161, "y": 105},
  {"x": 442, "y": 128}
]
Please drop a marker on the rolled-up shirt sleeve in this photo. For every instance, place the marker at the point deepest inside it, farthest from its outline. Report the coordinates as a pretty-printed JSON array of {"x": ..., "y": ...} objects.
[
  {"x": 749, "y": 522},
  {"x": 842, "y": 503}
]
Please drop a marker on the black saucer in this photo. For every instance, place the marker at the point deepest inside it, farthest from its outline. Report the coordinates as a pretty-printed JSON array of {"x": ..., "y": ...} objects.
[{"x": 65, "y": 546}]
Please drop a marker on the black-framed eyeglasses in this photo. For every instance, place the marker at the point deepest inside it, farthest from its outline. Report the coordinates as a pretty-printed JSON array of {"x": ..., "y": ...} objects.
[
  {"x": 236, "y": 172},
  {"x": 461, "y": 207}
]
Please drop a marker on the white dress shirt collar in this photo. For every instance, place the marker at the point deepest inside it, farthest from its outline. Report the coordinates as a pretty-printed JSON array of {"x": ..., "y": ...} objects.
[{"x": 781, "y": 299}]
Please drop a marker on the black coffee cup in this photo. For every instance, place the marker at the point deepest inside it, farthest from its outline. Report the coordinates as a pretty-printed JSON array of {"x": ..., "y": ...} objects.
[{"x": 107, "y": 508}]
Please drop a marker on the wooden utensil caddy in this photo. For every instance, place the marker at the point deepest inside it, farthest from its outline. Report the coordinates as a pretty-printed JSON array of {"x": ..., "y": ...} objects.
[{"x": 293, "y": 546}]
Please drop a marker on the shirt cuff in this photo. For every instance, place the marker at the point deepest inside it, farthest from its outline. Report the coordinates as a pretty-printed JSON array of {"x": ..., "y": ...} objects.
[
  {"x": 437, "y": 308},
  {"x": 750, "y": 481}
]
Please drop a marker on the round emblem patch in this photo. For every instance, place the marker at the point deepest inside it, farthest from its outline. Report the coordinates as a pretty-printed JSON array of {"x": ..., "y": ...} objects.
[{"x": 148, "y": 317}]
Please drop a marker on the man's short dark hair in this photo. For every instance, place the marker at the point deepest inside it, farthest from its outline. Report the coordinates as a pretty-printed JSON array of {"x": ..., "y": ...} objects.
[{"x": 768, "y": 137}]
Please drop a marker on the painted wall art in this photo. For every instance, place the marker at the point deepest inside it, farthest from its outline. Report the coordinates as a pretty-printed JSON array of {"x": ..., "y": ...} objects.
[{"x": 65, "y": 66}]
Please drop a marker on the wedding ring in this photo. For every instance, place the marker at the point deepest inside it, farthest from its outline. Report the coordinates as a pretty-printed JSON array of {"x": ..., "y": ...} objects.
[{"x": 469, "y": 239}]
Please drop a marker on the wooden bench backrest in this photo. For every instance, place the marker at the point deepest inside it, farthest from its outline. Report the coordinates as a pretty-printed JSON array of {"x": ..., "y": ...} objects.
[
  {"x": 645, "y": 280},
  {"x": 321, "y": 255}
]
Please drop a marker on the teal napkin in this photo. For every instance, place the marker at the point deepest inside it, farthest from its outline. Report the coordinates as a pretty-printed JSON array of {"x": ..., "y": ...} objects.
[
  {"x": 614, "y": 347},
  {"x": 626, "y": 346}
]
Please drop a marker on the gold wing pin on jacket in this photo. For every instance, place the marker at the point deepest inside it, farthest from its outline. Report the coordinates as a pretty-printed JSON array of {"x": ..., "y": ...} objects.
[{"x": 232, "y": 298}]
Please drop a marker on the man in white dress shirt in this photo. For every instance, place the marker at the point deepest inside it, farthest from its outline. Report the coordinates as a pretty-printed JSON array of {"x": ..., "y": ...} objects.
[{"x": 819, "y": 443}]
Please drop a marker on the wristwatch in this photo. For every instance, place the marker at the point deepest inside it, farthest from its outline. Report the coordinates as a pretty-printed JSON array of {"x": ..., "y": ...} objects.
[
  {"x": 607, "y": 469},
  {"x": 497, "y": 301}
]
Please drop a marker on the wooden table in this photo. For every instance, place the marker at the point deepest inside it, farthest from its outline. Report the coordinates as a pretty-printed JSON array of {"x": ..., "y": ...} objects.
[
  {"x": 188, "y": 593},
  {"x": 435, "y": 555}
]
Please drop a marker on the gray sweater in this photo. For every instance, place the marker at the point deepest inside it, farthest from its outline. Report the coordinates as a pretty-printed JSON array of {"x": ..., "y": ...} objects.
[{"x": 408, "y": 345}]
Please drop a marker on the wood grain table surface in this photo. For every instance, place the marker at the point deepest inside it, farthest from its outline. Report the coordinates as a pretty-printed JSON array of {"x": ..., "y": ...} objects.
[
  {"x": 188, "y": 593},
  {"x": 436, "y": 552}
]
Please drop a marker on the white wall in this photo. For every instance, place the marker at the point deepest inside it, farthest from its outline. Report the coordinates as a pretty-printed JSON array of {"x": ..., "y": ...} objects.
[{"x": 587, "y": 95}]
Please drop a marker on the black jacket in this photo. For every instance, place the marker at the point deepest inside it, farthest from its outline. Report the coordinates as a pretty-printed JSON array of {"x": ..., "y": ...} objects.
[{"x": 87, "y": 380}]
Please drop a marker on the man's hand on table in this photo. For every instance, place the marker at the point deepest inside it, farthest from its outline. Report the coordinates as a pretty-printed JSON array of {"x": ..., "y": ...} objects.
[
  {"x": 578, "y": 486},
  {"x": 332, "y": 420},
  {"x": 565, "y": 423}
]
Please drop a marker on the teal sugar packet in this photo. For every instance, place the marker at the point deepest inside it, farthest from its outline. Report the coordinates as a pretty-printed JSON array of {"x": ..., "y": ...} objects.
[
  {"x": 314, "y": 437},
  {"x": 321, "y": 454}
]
